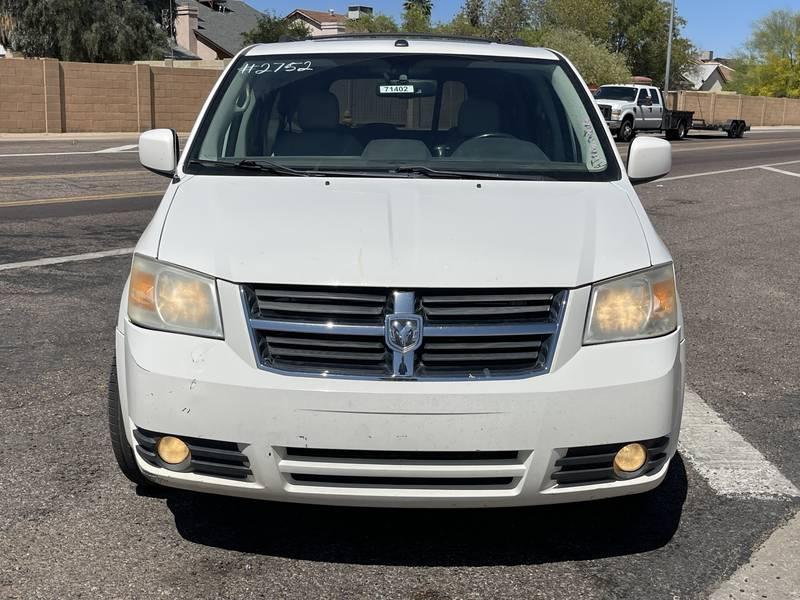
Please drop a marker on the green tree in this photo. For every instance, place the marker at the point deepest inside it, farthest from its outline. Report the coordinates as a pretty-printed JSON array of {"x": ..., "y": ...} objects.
[
  {"x": 506, "y": 19},
  {"x": 423, "y": 6},
  {"x": 84, "y": 30},
  {"x": 271, "y": 28},
  {"x": 373, "y": 24},
  {"x": 415, "y": 20},
  {"x": 161, "y": 9},
  {"x": 474, "y": 12},
  {"x": 590, "y": 17},
  {"x": 639, "y": 29},
  {"x": 594, "y": 62},
  {"x": 770, "y": 64},
  {"x": 459, "y": 26},
  {"x": 777, "y": 36}
]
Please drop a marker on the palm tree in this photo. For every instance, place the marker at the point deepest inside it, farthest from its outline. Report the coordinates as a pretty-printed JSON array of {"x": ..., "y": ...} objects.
[{"x": 424, "y": 6}]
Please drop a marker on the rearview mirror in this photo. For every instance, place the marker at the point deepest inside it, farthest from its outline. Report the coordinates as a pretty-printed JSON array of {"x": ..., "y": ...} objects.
[
  {"x": 158, "y": 151},
  {"x": 648, "y": 159}
]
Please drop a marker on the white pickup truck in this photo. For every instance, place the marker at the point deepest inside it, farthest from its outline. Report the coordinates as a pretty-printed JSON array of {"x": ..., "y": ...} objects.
[{"x": 629, "y": 108}]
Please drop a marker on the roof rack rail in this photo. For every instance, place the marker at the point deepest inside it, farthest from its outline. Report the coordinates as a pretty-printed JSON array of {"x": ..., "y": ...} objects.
[{"x": 402, "y": 35}]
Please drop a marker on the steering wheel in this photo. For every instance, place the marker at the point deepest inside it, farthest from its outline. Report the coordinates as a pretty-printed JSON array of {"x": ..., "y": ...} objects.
[{"x": 492, "y": 135}]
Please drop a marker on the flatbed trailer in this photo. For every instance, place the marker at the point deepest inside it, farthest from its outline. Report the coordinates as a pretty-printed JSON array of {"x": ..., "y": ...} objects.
[{"x": 676, "y": 124}]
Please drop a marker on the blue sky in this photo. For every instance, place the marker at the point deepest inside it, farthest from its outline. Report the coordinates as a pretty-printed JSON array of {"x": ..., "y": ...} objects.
[{"x": 719, "y": 25}]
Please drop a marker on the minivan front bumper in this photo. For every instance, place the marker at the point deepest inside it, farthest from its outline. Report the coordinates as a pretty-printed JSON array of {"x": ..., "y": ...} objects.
[{"x": 393, "y": 443}]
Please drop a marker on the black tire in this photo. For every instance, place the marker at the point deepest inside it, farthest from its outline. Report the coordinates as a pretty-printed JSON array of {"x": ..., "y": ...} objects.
[
  {"x": 122, "y": 449},
  {"x": 671, "y": 134},
  {"x": 682, "y": 130},
  {"x": 740, "y": 130},
  {"x": 626, "y": 131}
]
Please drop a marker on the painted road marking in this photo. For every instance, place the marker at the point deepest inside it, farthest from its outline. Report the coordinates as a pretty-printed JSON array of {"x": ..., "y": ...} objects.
[
  {"x": 65, "y": 259},
  {"x": 730, "y": 465},
  {"x": 62, "y": 153},
  {"x": 781, "y": 171},
  {"x": 69, "y": 199},
  {"x": 723, "y": 171},
  {"x": 772, "y": 571},
  {"x": 118, "y": 149},
  {"x": 48, "y": 175}
]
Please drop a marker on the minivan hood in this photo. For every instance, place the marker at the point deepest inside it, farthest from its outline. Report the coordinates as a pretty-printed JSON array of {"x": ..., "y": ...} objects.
[{"x": 399, "y": 232}]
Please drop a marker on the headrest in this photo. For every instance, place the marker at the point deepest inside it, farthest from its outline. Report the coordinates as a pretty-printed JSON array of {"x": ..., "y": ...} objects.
[
  {"x": 477, "y": 116},
  {"x": 318, "y": 110}
]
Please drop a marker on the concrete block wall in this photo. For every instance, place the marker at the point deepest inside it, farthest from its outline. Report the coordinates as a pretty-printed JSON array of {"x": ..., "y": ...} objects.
[
  {"x": 22, "y": 96},
  {"x": 756, "y": 110},
  {"x": 48, "y": 96},
  {"x": 179, "y": 95},
  {"x": 99, "y": 97}
]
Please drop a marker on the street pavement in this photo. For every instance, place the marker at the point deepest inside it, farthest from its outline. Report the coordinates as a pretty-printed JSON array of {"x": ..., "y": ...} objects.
[{"x": 72, "y": 526}]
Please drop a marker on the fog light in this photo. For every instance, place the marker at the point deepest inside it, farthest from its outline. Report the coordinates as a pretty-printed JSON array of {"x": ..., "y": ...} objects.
[
  {"x": 172, "y": 450},
  {"x": 630, "y": 459}
]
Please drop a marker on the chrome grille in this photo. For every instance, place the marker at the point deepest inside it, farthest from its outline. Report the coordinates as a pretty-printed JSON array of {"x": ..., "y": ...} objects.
[
  {"x": 447, "y": 307},
  {"x": 466, "y": 333},
  {"x": 320, "y": 304}
]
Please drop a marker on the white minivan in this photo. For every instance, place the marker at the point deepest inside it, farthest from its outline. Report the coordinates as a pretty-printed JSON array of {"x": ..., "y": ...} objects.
[{"x": 399, "y": 271}]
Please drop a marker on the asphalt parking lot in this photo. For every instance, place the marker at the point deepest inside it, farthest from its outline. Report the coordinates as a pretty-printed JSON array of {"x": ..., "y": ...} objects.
[{"x": 72, "y": 526}]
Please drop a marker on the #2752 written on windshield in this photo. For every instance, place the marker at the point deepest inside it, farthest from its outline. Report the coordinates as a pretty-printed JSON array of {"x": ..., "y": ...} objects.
[{"x": 276, "y": 67}]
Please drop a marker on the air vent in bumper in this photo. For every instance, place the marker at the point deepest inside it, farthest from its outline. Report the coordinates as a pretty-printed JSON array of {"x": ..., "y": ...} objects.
[
  {"x": 370, "y": 469},
  {"x": 595, "y": 464},
  {"x": 209, "y": 457}
]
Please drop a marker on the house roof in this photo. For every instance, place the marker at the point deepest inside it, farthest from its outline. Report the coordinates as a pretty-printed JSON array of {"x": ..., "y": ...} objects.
[
  {"x": 318, "y": 16},
  {"x": 223, "y": 29},
  {"x": 701, "y": 72}
]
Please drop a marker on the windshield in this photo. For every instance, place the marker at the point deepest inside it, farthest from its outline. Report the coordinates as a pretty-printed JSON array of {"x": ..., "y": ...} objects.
[
  {"x": 613, "y": 92},
  {"x": 401, "y": 115}
]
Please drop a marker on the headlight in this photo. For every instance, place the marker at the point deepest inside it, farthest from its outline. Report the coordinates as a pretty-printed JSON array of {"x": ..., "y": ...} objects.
[
  {"x": 615, "y": 112},
  {"x": 640, "y": 305},
  {"x": 169, "y": 298}
]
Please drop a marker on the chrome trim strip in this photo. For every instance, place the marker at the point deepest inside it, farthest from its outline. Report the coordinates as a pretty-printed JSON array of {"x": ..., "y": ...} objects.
[
  {"x": 490, "y": 330},
  {"x": 298, "y": 327}
]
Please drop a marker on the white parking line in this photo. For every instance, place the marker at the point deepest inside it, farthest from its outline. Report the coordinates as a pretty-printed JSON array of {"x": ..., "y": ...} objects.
[
  {"x": 750, "y": 168},
  {"x": 119, "y": 149},
  {"x": 781, "y": 171},
  {"x": 64, "y": 259},
  {"x": 773, "y": 570},
  {"x": 106, "y": 150},
  {"x": 730, "y": 465}
]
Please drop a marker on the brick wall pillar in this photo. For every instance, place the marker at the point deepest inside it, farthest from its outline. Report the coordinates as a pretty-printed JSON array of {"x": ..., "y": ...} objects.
[
  {"x": 53, "y": 96},
  {"x": 144, "y": 97}
]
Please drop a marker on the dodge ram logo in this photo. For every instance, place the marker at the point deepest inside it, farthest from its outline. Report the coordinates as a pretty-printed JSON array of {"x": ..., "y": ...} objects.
[{"x": 403, "y": 332}]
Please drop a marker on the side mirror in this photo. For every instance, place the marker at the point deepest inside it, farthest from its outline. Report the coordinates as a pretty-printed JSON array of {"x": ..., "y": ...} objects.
[
  {"x": 648, "y": 159},
  {"x": 158, "y": 151}
]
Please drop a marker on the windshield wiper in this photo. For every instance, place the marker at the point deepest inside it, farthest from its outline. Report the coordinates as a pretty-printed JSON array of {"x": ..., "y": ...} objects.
[
  {"x": 278, "y": 169},
  {"x": 251, "y": 165},
  {"x": 429, "y": 172}
]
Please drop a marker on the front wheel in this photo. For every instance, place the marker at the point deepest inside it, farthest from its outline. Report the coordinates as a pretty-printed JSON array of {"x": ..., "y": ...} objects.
[
  {"x": 626, "y": 132},
  {"x": 116, "y": 427}
]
